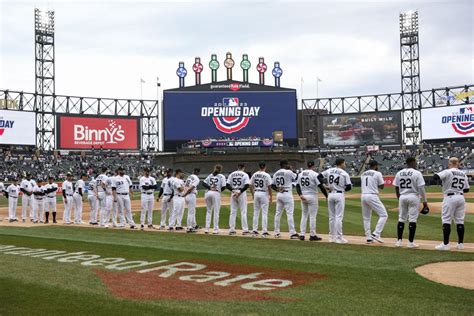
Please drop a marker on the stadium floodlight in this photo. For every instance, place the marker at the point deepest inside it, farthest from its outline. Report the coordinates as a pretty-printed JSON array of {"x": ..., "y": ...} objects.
[
  {"x": 44, "y": 21},
  {"x": 409, "y": 22}
]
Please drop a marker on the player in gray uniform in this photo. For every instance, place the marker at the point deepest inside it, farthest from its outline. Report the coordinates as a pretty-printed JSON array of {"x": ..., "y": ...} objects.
[
  {"x": 307, "y": 188},
  {"x": 122, "y": 191},
  {"x": 166, "y": 192},
  {"x": 26, "y": 187},
  {"x": 261, "y": 188},
  {"x": 238, "y": 182},
  {"x": 409, "y": 187},
  {"x": 192, "y": 182},
  {"x": 12, "y": 193},
  {"x": 371, "y": 182},
  {"x": 455, "y": 184},
  {"x": 215, "y": 183},
  {"x": 50, "y": 199},
  {"x": 338, "y": 182},
  {"x": 147, "y": 187},
  {"x": 283, "y": 184}
]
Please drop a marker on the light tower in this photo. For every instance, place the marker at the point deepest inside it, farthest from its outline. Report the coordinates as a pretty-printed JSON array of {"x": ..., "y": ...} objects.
[
  {"x": 44, "y": 78},
  {"x": 410, "y": 75}
]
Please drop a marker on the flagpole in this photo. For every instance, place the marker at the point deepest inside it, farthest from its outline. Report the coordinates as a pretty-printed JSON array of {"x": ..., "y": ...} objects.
[
  {"x": 141, "y": 89},
  {"x": 317, "y": 88},
  {"x": 302, "y": 92}
]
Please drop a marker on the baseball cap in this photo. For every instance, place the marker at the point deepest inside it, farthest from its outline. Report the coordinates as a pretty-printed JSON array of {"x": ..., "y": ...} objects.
[{"x": 310, "y": 163}]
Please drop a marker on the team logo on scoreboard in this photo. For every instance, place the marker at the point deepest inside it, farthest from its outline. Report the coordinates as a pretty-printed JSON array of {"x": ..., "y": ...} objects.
[
  {"x": 462, "y": 122},
  {"x": 231, "y": 115},
  {"x": 4, "y": 124}
]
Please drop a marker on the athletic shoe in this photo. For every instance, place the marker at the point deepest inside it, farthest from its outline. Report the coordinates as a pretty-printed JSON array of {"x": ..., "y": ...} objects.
[
  {"x": 278, "y": 235},
  {"x": 121, "y": 225},
  {"x": 215, "y": 232},
  {"x": 179, "y": 228},
  {"x": 377, "y": 238},
  {"x": 302, "y": 237},
  {"x": 162, "y": 227},
  {"x": 151, "y": 227},
  {"x": 398, "y": 243},
  {"x": 23, "y": 220},
  {"x": 370, "y": 241},
  {"x": 341, "y": 240},
  {"x": 55, "y": 222},
  {"x": 255, "y": 233},
  {"x": 170, "y": 228},
  {"x": 46, "y": 221},
  {"x": 41, "y": 222},
  {"x": 132, "y": 227},
  {"x": 196, "y": 227},
  {"x": 265, "y": 235},
  {"x": 412, "y": 245},
  {"x": 460, "y": 246},
  {"x": 246, "y": 232},
  {"x": 442, "y": 246},
  {"x": 15, "y": 219},
  {"x": 190, "y": 230},
  {"x": 206, "y": 231},
  {"x": 232, "y": 233},
  {"x": 142, "y": 227},
  {"x": 114, "y": 224},
  {"x": 332, "y": 239},
  {"x": 11, "y": 220},
  {"x": 315, "y": 238},
  {"x": 295, "y": 236},
  {"x": 106, "y": 226}
]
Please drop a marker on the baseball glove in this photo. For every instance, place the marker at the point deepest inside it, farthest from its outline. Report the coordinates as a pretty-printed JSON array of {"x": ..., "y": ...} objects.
[{"x": 425, "y": 210}]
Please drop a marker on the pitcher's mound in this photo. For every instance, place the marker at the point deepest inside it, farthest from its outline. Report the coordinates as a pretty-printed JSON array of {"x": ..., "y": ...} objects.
[{"x": 454, "y": 273}]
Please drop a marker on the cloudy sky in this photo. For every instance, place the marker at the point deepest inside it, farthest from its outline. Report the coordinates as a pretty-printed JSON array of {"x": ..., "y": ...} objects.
[{"x": 103, "y": 48}]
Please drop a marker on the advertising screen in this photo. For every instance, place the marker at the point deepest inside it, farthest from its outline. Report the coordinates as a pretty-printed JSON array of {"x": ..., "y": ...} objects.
[
  {"x": 17, "y": 128},
  {"x": 232, "y": 114},
  {"x": 356, "y": 129},
  {"x": 87, "y": 132},
  {"x": 447, "y": 122}
]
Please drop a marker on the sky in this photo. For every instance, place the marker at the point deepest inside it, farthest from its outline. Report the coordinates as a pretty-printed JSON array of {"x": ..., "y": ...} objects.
[{"x": 104, "y": 48}]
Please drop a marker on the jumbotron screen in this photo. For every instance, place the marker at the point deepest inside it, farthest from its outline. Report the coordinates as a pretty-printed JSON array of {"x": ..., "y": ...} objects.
[
  {"x": 195, "y": 115},
  {"x": 358, "y": 129}
]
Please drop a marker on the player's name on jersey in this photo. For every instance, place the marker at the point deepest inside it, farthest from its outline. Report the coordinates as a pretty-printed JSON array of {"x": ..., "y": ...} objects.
[
  {"x": 230, "y": 111},
  {"x": 404, "y": 173}
]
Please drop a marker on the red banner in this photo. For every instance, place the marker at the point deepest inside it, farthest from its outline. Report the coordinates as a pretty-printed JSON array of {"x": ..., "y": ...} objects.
[
  {"x": 82, "y": 132},
  {"x": 388, "y": 181}
]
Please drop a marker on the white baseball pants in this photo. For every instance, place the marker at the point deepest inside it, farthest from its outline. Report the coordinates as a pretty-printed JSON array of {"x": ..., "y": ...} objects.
[
  {"x": 261, "y": 202},
  {"x": 12, "y": 205},
  {"x": 177, "y": 212},
  {"x": 284, "y": 201},
  {"x": 38, "y": 210},
  {"x": 453, "y": 208},
  {"x": 77, "y": 208},
  {"x": 213, "y": 204},
  {"x": 309, "y": 209},
  {"x": 68, "y": 205},
  {"x": 94, "y": 205},
  {"x": 336, "y": 204},
  {"x": 50, "y": 204},
  {"x": 147, "y": 203},
  {"x": 190, "y": 200},
  {"x": 408, "y": 208},
  {"x": 108, "y": 201},
  {"x": 166, "y": 205},
  {"x": 369, "y": 203},
  {"x": 236, "y": 204},
  {"x": 117, "y": 213},
  {"x": 26, "y": 202},
  {"x": 102, "y": 204},
  {"x": 125, "y": 205}
]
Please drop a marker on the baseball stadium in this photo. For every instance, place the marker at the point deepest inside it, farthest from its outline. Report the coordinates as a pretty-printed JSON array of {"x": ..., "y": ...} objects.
[{"x": 231, "y": 192}]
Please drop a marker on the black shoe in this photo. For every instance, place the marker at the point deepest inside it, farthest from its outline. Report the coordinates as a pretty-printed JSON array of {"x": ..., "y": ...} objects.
[
  {"x": 179, "y": 228},
  {"x": 46, "y": 222},
  {"x": 255, "y": 233},
  {"x": 232, "y": 233},
  {"x": 54, "y": 222},
  {"x": 190, "y": 230},
  {"x": 302, "y": 238},
  {"x": 294, "y": 236},
  {"x": 151, "y": 227},
  {"x": 132, "y": 227},
  {"x": 196, "y": 227},
  {"x": 142, "y": 227},
  {"x": 265, "y": 234},
  {"x": 170, "y": 228},
  {"x": 11, "y": 220},
  {"x": 315, "y": 238},
  {"x": 370, "y": 241},
  {"x": 245, "y": 233}
]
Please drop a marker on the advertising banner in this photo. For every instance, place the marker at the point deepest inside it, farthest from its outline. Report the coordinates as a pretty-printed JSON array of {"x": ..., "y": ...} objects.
[
  {"x": 87, "y": 132},
  {"x": 447, "y": 122},
  {"x": 17, "y": 128}
]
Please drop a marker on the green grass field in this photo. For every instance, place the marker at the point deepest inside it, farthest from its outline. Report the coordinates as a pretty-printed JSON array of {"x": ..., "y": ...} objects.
[{"x": 357, "y": 279}]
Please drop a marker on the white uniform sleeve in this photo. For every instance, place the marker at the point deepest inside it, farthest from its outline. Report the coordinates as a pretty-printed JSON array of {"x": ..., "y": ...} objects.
[
  {"x": 316, "y": 180},
  {"x": 195, "y": 182},
  {"x": 206, "y": 181},
  {"x": 420, "y": 181},
  {"x": 380, "y": 179},
  {"x": 223, "y": 182},
  {"x": 348, "y": 178},
  {"x": 269, "y": 180},
  {"x": 396, "y": 180},
  {"x": 229, "y": 179},
  {"x": 443, "y": 174},
  {"x": 163, "y": 183},
  {"x": 246, "y": 179}
]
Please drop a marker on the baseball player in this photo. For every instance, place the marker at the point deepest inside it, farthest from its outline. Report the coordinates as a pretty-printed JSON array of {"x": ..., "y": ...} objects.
[
  {"x": 409, "y": 187},
  {"x": 122, "y": 191},
  {"x": 339, "y": 182},
  {"x": 455, "y": 183},
  {"x": 93, "y": 201},
  {"x": 38, "y": 202},
  {"x": 147, "y": 188},
  {"x": 178, "y": 201},
  {"x": 26, "y": 187},
  {"x": 100, "y": 185},
  {"x": 3, "y": 192},
  {"x": 261, "y": 188},
  {"x": 108, "y": 183},
  {"x": 68, "y": 191},
  {"x": 283, "y": 183},
  {"x": 238, "y": 182},
  {"x": 117, "y": 209},
  {"x": 371, "y": 182},
  {"x": 215, "y": 183},
  {"x": 12, "y": 193},
  {"x": 166, "y": 191},
  {"x": 77, "y": 196},
  {"x": 190, "y": 195},
  {"x": 50, "y": 199},
  {"x": 307, "y": 188}
]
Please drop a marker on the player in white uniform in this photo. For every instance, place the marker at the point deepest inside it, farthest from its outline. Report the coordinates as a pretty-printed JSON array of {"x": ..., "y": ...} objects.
[
  {"x": 100, "y": 185},
  {"x": 283, "y": 183},
  {"x": 77, "y": 196},
  {"x": 215, "y": 183},
  {"x": 409, "y": 187},
  {"x": 109, "y": 199},
  {"x": 455, "y": 183},
  {"x": 93, "y": 201},
  {"x": 307, "y": 188},
  {"x": 371, "y": 182},
  {"x": 147, "y": 187},
  {"x": 117, "y": 209},
  {"x": 50, "y": 199},
  {"x": 26, "y": 186},
  {"x": 178, "y": 201},
  {"x": 190, "y": 195},
  {"x": 38, "y": 201},
  {"x": 338, "y": 182},
  {"x": 261, "y": 188},
  {"x": 166, "y": 192},
  {"x": 68, "y": 191},
  {"x": 12, "y": 193},
  {"x": 122, "y": 190},
  {"x": 238, "y": 182}
]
